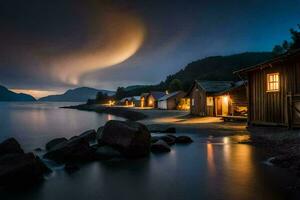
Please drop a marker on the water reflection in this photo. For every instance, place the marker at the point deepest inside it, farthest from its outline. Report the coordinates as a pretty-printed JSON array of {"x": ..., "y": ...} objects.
[
  {"x": 34, "y": 124},
  {"x": 210, "y": 159}
]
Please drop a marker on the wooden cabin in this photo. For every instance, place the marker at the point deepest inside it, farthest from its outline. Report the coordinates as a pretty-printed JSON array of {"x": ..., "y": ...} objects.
[
  {"x": 151, "y": 99},
  {"x": 136, "y": 101},
  {"x": 274, "y": 91},
  {"x": 126, "y": 101},
  {"x": 233, "y": 101},
  {"x": 170, "y": 101},
  {"x": 218, "y": 98},
  {"x": 144, "y": 100},
  {"x": 130, "y": 101}
]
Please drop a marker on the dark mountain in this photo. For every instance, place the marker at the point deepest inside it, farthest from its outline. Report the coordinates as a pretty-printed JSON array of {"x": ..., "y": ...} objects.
[
  {"x": 218, "y": 67},
  {"x": 210, "y": 68},
  {"x": 81, "y": 94},
  {"x": 134, "y": 87},
  {"x": 7, "y": 95}
]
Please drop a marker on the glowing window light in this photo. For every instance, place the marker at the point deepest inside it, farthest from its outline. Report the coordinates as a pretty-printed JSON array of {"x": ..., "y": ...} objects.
[
  {"x": 150, "y": 102},
  {"x": 273, "y": 82},
  {"x": 225, "y": 99}
]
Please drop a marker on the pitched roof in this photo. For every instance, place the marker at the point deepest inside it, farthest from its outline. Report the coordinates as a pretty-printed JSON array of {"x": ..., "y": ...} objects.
[
  {"x": 276, "y": 59},
  {"x": 235, "y": 85},
  {"x": 215, "y": 86},
  {"x": 136, "y": 98},
  {"x": 167, "y": 96},
  {"x": 144, "y": 95},
  {"x": 157, "y": 95},
  {"x": 125, "y": 99}
]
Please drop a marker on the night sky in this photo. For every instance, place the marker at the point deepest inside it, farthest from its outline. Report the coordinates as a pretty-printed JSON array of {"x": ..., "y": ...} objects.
[{"x": 50, "y": 46}]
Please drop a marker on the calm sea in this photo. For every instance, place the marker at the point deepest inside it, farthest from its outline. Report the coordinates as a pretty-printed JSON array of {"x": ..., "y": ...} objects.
[{"x": 209, "y": 168}]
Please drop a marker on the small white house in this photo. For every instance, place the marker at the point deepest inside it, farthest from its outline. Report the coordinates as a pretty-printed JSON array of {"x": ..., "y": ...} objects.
[{"x": 170, "y": 101}]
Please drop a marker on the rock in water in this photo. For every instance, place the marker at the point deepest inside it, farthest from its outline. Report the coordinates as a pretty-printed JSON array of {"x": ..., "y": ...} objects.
[
  {"x": 76, "y": 149},
  {"x": 172, "y": 136},
  {"x": 154, "y": 139},
  {"x": 183, "y": 140},
  {"x": 21, "y": 169},
  {"x": 131, "y": 139},
  {"x": 10, "y": 145},
  {"x": 160, "y": 147},
  {"x": 51, "y": 144},
  {"x": 89, "y": 135},
  {"x": 169, "y": 140}
]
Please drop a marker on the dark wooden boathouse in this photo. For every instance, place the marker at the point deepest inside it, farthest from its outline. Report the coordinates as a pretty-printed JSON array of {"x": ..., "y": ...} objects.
[{"x": 274, "y": 91}]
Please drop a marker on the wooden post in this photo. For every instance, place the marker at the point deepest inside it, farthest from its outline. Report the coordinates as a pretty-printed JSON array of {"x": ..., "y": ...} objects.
[{"x": 290, "y": 110}]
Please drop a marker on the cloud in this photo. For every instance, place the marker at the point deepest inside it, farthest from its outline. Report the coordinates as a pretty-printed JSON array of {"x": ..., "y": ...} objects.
[{"x": 58, "y": 48}]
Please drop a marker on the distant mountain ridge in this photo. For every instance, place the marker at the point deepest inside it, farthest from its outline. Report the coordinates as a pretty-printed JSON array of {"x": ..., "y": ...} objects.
[
  {"x": 81, "y": 94},
  {"x": 218, "y": 68},
  {"x": 7, "y": 95}
]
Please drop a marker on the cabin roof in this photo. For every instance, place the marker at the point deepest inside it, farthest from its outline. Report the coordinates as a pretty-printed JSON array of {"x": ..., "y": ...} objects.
[
  {"x": 268, "y": 63},
  {"x": 124, "y": 99},
  {"x": 214, "y": 86},
  {"x": 136, "y": 98},
  {"x": 144, "y": 95},
  {"x": 157, "y": 95},
  {"x": 235, "y": 85},
  {"x": 168, "y": 96}
]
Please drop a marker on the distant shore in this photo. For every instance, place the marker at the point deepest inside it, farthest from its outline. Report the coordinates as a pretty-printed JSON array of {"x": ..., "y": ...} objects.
[{"x": 117, "y": 111}]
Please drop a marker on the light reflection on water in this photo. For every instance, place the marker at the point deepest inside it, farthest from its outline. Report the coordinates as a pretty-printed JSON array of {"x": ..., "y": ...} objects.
[
  {"x": 33, "y": 124},
  {"x": 209, "y": 168}
]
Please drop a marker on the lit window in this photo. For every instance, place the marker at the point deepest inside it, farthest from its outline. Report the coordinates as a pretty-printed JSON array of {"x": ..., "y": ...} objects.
[
  {"x": 209, "y": 101},
  {"x": 273, "y": 82},
  {"x": 193, "y": 102}
]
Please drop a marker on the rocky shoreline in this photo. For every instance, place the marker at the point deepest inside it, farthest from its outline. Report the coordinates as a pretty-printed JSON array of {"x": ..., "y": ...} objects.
[
  {"x": 17, "y": 168},
  {"x": 282, "y": 146},
  {"x": 115, "y": 140},
  {"x": 117, "y": 111}
]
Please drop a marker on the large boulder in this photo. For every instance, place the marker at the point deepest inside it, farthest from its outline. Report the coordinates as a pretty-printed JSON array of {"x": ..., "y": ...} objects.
[
  {"x": 21, "y": 169},
  {"x": 10, "y": 145},
  {"x": 130, "y": 138},
  {"x": 160, "y": 147},
  {"x": 89, "y": 135},
  {"x": 167, "y": 130},
  {"x": 106, "y": 152},
  {"x": 52, "y": 143},
  {"x": 76, "y": 149},
  {"x": 99, "y": 132},
  {"x": 183, "y": 140}
]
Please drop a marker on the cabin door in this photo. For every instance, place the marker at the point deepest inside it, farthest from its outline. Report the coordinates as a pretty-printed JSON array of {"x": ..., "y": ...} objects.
[
  {"x": 225, "y": 106},
  {"x": 222, "y": 106},
  {"x": 219, "y": 106}
]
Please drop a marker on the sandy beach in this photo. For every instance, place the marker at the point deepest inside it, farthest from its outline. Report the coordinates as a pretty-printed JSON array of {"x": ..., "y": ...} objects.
[
  {"x": 184, "y": 123},
  {"x": 156, "y": 119}
]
